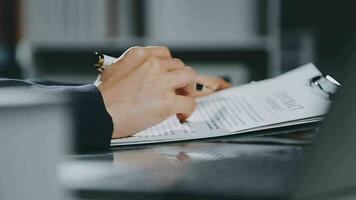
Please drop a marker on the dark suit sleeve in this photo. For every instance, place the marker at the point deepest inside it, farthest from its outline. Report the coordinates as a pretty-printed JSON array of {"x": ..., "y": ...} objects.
[{"x": 93, "y": 124}]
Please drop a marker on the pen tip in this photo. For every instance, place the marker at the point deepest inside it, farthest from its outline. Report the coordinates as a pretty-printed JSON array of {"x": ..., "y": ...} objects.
[{"x": 199, "y": 87}]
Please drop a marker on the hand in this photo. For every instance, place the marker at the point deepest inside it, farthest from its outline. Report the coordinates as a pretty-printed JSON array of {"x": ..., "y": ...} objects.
[
  {"x": 140, "y": 90},
  {"x": 133, "y": 58}
]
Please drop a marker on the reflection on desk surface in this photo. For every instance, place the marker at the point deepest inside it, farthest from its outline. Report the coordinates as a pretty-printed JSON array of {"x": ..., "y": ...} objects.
[{"x": 197, "y": 168}]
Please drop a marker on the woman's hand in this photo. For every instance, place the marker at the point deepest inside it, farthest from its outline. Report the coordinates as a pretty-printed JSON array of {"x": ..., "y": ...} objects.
[
  {"x": 146, "y": 86},
  {"x": 142, "y": 94}
]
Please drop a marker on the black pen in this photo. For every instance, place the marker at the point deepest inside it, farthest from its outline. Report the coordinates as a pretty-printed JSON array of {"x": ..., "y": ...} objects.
[{"x": 103, "y": 61}]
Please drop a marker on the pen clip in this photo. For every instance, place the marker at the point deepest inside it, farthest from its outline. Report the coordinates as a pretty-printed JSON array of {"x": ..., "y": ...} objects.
[{"x": 99, "y": 65}]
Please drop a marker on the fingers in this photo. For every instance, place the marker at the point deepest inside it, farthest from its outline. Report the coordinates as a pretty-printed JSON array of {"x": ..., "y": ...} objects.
[
  {"x": 132, "y": 59},
  {"x": 135, "y": 56},
  {"x": 188, "y": 90},
  {"x": 182, "y": 78},
  {"x": 211, "y": 84},
  {"x": 141, "y": 53},
  {"x": 171, "y": 64},
  {"x": 184, "y": 107},
  {"x": 205, "y": 92},
  {"x": 159, "y": 52},
  {"x": 223, "y": 84},
  {"x": 164, "y": 64}
]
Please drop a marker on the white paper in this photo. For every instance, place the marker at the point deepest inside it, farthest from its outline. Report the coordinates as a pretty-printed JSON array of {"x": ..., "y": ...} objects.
[{"x": 281, "y": 101}]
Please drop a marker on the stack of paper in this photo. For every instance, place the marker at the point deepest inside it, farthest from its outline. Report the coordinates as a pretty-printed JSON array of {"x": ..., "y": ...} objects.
[{"x": 286, "y": 100}]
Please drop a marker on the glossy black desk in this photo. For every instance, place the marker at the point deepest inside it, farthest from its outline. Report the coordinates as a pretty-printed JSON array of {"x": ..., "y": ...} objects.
[{"x": 226, "y": 168}]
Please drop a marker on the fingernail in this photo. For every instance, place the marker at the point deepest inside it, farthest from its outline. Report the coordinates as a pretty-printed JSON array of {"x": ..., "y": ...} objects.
[
  {"x": 181, "y": 92},
  {"x": 181, "y": 118}
]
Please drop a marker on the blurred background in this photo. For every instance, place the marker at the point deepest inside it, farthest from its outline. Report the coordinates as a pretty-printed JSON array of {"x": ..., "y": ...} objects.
[{"x": 240, "y": 40}]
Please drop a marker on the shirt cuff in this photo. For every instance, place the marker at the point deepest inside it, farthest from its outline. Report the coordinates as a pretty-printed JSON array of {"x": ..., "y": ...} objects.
[{"x": 93, "y": 124}]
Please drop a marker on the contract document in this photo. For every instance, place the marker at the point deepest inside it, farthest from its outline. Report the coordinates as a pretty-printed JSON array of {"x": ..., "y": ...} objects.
[{"x": 285, "y": 100}]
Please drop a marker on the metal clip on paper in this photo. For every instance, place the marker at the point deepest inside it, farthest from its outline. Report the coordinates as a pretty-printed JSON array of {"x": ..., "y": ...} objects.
[{"x": 326, "y": 84}]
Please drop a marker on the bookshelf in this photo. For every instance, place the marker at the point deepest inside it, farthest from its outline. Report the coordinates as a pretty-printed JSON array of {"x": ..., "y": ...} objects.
[{"x": 58, "y": 34}]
